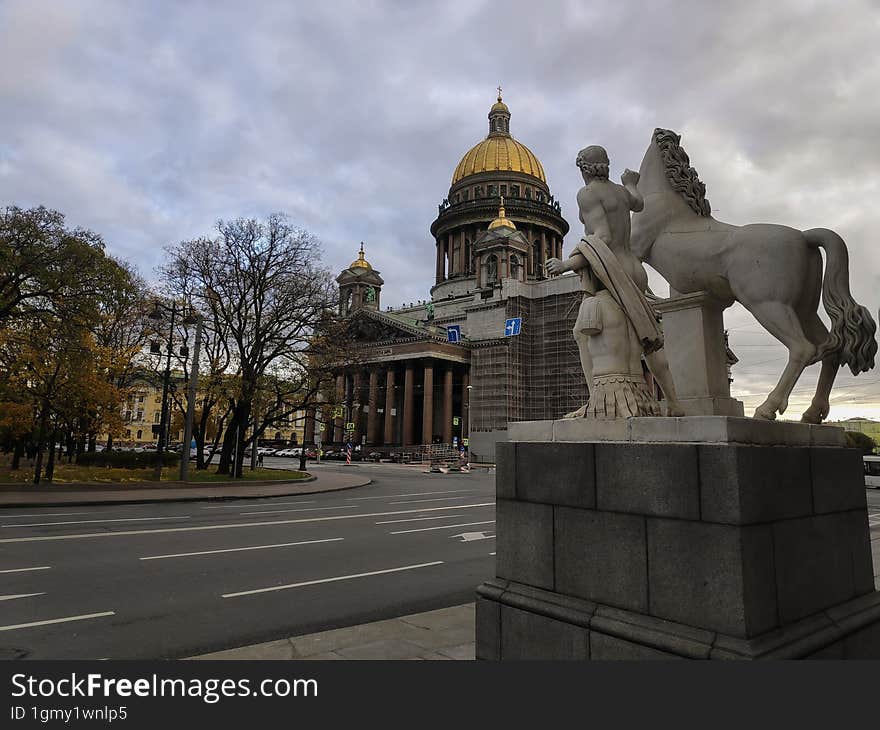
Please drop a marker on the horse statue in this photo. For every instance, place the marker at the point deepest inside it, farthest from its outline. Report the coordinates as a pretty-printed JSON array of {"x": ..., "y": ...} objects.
[{"x": 774, "y": 271}]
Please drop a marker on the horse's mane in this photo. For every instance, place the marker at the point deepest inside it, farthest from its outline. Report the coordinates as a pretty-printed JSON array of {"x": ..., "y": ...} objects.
[{"x": 681, "y": 176}]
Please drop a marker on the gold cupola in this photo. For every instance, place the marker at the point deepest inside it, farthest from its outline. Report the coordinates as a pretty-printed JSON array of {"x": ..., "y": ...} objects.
[
  {"x": 499, "y": 152},
  {"x": 361, "y": 262},
  {"x": 502, "y": 221}
]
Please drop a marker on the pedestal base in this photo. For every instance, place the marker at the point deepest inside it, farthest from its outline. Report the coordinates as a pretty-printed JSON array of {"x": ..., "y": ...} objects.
[{"x": 705, "y": 537}]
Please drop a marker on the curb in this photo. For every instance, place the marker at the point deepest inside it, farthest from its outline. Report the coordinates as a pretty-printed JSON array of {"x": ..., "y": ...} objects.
[{"x": 200, "y": 498}]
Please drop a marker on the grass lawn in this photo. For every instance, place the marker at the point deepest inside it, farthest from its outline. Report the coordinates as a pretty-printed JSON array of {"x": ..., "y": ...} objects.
[{"x": 67, "y": 473}]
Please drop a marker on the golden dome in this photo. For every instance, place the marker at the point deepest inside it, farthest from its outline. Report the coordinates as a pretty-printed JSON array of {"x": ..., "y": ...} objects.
[
  {"x": 502, "y": 220},
  {"x": 499, "y": 152},
  {"x": 361, "y": 262}
]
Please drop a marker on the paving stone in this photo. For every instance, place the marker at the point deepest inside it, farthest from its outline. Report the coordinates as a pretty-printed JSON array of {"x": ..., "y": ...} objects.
[
  {"x": 488, "y": 629},
  {"x": 745, "y": 484},
  {"x": 648, "y": 479},
  {"x": 526, "y": 635},
  {"x": 601, "y": 556},
  {"x": 524, "y": 536},
  {"x": 461, "y": 651},
  {"x": 610, "y": 648},
  {"x": 269, "y": 650},
  {"x": 383, "y": 649},
  {"x": 442, "y": 618},
  {"x": 838, "y": 479},
  {"x": 814, "y": 564},
  {"x": 716, "y": 577},
  {"x": 505, "y": 470},
  {"x": 556, "y": 473}
]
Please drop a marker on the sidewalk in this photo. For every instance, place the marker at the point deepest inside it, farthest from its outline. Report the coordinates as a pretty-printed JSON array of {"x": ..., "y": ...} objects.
[
  {"x": 86, "y": 494},
  {"x": 447, "y": 633}
]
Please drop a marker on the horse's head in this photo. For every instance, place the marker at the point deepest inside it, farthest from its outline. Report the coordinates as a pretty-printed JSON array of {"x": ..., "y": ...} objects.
[{"x": 666, "y": 166}]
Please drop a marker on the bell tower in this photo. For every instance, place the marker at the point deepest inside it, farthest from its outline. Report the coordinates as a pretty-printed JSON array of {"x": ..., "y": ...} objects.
[{"x": 359, "y": 286}]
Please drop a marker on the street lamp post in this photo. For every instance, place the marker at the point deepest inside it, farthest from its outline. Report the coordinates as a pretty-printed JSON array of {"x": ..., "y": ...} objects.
[
  {"x": 191, "y": 390},
  {"x": 469, "y": 389}
]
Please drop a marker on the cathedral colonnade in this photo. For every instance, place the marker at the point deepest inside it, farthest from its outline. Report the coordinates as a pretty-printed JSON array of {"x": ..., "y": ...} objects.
[{"x": 402, "y": 403}]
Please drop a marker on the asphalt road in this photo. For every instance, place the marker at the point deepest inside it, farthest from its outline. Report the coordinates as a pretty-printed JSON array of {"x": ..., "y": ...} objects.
[{"x": 176, "y": 580}]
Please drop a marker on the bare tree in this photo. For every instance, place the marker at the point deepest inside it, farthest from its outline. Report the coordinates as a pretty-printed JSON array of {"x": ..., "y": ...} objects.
[{"x": 264, "y": 286}]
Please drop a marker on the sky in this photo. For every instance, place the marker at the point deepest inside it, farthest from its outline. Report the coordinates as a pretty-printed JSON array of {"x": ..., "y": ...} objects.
[{"x": 149, "y": 121}]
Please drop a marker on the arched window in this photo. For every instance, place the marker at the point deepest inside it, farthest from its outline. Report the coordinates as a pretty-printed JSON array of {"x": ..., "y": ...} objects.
[
  {"x": 514, "y": 266},
  {"x": 140, "y": 435}
]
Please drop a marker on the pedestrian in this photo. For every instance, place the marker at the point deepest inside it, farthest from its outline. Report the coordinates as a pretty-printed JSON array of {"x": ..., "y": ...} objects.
[{"x": 260, "y": 461}]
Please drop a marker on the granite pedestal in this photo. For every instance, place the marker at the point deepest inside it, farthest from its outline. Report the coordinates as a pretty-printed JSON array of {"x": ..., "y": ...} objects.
[
  {"x": 694, "y": 342},
  {"x": 695, "y": 537}
]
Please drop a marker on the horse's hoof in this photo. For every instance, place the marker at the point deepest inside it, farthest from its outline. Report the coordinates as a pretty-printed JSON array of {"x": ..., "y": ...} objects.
[
  {"x": 814, "y": 415},
  {"x": 764, "y": 414}
]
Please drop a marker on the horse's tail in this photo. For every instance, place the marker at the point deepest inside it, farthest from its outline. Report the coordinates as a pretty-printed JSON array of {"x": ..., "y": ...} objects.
[{"x": 852, "y": 328}]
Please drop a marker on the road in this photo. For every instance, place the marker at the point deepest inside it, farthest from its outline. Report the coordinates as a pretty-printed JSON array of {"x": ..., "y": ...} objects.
[{"x": 176, "y": 580}]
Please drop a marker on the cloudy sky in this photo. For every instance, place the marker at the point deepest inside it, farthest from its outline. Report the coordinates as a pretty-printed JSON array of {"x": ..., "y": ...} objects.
[{"x": 148, "y": 121}]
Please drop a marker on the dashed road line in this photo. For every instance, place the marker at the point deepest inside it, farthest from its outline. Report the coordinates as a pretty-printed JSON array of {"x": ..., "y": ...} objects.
[
  {"x": 441, "y": 527},
  {"x": 332, "y": 580},
  {"x": 305, "y": 509},
  {"x": 20, "y": 595},
  {"x": 84, "y": 522},
  {"x": 25, "y": 570},
  {"x": 63, "y": 620},
  {"x": 240, "y": 549}
]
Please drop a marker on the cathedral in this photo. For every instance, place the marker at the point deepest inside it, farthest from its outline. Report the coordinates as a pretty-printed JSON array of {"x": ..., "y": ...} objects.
[{"x": 454, "y": 369}]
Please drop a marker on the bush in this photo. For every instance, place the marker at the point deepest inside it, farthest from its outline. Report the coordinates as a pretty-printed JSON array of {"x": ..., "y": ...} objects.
[
  {"x": 127, "y": 459},
  {"x": 858, "y": 440}
]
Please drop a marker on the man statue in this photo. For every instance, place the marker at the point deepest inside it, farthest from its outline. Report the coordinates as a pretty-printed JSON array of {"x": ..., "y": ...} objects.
[{"x": 616, "y": 325}]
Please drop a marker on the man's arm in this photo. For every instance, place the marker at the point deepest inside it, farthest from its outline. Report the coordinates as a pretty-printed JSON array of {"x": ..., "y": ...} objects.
[
  {"x": 575, "y": 262},
  {"x": 630, "y": 179}
]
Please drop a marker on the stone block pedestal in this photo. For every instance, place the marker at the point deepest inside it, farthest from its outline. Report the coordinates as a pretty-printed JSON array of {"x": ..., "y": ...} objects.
[
  {"x": 750, "y": 543},
  {"x": 693, "y": 334}
]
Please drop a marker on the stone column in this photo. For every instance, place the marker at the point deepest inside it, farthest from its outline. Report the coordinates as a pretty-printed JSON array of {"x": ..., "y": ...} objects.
[
  {"x": 309, "y": 427},
  {"x": 356, "y": 408},
  {"x": 389, "y": 407},
  {"x": 340, "y": 399},
  {"x": 440, "y": 261},
  {"x": 543, "y": 247},
  {"x": 373, "y": 404},
  {"x": 408, "y": 405},
  {"x": 447, "y": 404},
  {"x": 428, "y": 404},
  {"x": 693, "y": 334}
]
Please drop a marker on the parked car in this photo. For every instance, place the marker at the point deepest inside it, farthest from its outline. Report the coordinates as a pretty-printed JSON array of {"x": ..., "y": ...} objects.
[{"x": 872, "y": 471}]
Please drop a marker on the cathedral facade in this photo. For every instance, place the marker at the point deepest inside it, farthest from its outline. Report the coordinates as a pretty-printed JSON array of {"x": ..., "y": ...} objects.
[{"x": 452, "y": 368}]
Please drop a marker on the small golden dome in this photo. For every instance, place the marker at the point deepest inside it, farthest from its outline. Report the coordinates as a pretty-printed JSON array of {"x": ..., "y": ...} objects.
[
  {"x": 361, "y": 262},
  {"x": 502, "y": 220}
]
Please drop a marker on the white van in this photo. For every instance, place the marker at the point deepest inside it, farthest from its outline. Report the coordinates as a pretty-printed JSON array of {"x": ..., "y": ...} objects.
[{"x": 872, "y": 471}]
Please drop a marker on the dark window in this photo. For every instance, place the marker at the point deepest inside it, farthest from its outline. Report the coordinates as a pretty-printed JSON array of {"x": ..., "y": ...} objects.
[
  {"x": 465, "y": 194},
  {"x": 504, "y": 189},
  {"x": 529, "y": 193},
  {"x": 478, "y": 191},
  {"x": 514, "y": 191}
]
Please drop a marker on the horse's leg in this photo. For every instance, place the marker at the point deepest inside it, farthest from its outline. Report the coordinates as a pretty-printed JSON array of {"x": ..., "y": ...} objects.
[
  {"x": 818, "y": 333},
  {"x": 781, "y": 321}
]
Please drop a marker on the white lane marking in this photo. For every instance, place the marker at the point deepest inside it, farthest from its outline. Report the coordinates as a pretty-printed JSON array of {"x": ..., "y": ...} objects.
[
  {"x": 274, "y": 504},
  {"x": 304, "y": 509},
  {"x": 415, "y": 519},
  {"x": 49, "y": 514},
  {"x": 491, "y": 553},
  {"x": 332, "y": 580},
  {"x": 57, "y": 620},
  {"x": 24, "y": 570},
  {"x": 413, "y": 494},
  {"x": 472, "y": 536},
  {"x": 441, "y": 527},
  {"x": 20, "y": 595},
  {"x": 435, "y": 499},
  {"x": 232, "y": 526},
  {"x": 83, "y": 522},
  {"x": 234, "y": 550}
]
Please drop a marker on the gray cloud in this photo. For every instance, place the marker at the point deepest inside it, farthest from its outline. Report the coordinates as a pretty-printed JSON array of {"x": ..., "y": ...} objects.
[{"x": 147, "y": 122}]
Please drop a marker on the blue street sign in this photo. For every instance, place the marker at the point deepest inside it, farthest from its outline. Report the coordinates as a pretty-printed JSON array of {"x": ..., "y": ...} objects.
[
  {"x": 512, "y": 326},
  {"x": 453, "y": 333}
]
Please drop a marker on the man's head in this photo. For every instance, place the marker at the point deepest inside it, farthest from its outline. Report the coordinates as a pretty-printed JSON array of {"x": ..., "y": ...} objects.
[{"x": 593, "y": 161}]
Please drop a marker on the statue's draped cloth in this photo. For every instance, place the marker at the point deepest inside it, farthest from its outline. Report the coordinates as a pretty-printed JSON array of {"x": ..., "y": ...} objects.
[{"x": 620, "y": 285}]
